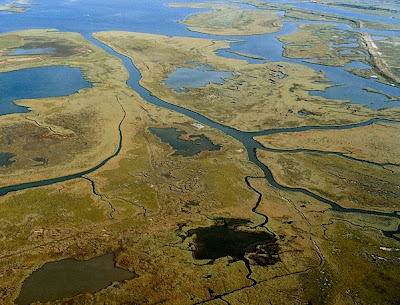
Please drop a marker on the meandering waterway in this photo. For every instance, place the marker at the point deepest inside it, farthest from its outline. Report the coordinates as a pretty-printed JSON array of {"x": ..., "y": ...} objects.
[
  {"x": 84, "y": 19},
  {"x": 155, "y": 17}
]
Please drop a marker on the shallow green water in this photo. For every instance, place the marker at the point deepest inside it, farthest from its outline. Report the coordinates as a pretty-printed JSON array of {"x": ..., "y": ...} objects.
[{"x": 69, "y": 277}]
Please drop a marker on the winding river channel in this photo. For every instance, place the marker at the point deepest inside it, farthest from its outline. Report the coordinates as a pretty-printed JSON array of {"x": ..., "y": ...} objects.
[
  {"x": 247, "y": 138},
  {"x": 87, "y": 17}
]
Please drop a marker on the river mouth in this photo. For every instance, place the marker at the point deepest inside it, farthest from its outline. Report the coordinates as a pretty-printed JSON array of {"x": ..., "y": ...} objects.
[
  {"x": 69, "y": 277},
  {"x": 258, "y": 248},
  {"x": 186, "y": 148}
]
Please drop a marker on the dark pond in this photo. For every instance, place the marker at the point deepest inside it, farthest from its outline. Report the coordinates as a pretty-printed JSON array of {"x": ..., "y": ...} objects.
[
  {"x": 69, "y": 277},
  {"x": 185, "y": 148},
  {"x": 220, "y": 241},
  {"x": 5, "y": 159},
  {"x": 38, "y": 83},
  {"x": 8, "y": 139}
]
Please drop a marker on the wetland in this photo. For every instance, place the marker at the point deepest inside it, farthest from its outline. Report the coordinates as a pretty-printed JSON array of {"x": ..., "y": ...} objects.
[
  {"x": 220, "y": 241},
  {"x": 288, "y": 193}
]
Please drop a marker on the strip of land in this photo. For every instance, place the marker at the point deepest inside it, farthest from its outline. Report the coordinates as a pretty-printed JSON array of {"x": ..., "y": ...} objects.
[{"x": 229, "y": 20}]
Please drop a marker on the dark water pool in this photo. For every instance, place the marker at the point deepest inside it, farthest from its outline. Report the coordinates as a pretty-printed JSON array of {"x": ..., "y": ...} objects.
[
  {"x": 185, "y": 148},
  {"x": 6, "y": 159},
  {"x": 220, "y": 241},
  {"x": 69, "y": 277}
]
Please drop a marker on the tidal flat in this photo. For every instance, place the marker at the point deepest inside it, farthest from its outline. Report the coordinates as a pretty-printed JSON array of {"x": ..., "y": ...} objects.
[{"x": 350, "y": 183}]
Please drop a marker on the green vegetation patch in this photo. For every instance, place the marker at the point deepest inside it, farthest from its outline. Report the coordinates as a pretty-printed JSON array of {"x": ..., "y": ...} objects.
[
  {"x": 129, "y": 181},
  {"x": 226, "y": 181},
  {"x": 350, "y": 183},
  {"x": 41, "y": 213},
  {"x": 52, "y": 208},
  {"x": 366, "y": 274}
]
